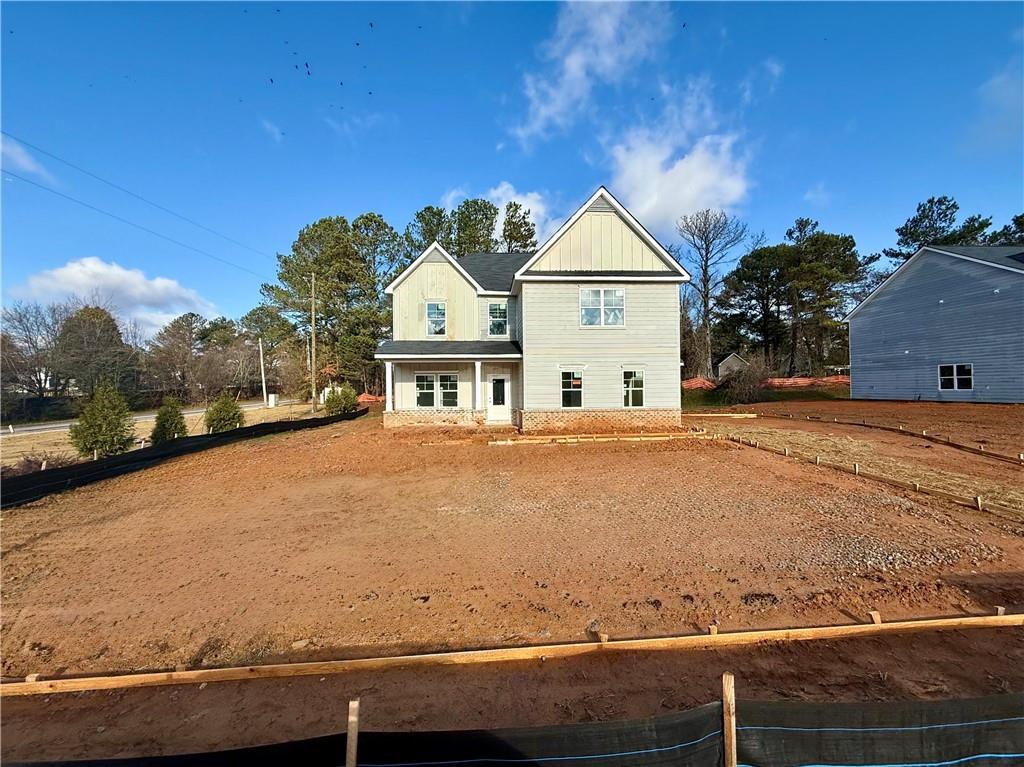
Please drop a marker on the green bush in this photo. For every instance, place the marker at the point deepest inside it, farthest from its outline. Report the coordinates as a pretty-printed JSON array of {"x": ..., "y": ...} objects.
[
  {"x": 224, "y": 414},
  {"x": 170, "y": 422},
  {"x": 341, "y": 400},
  {"x": 105, "y": 425}
]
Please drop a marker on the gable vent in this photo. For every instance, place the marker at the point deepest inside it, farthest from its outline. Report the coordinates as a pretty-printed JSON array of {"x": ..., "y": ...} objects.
[{"x": 600, "y": 206}]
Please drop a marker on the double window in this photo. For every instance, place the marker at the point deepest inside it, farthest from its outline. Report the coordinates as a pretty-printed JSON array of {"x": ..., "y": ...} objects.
[
  {"x": 572, "y": 388},
  {"x": 632, "y": 388},
  {"x": 437, "y": 318},
  {"x": 430, "y": 385},
  {"x": 602, "y": 307},
  {"x": 957, "y": 377},
  {"x": 497, "y": 319}
]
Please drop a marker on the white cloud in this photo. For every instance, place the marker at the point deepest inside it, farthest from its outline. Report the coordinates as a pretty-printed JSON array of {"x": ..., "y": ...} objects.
[
  {"x": 535, "y": 202},
  {"x": 151, "y": 301},
  {"x": 13, "y": 156},
  {"x": 593, "y": 44},
  {"x": 450, "y": 198},
  {"x": 762, "y": 80},
  {"x": 1000, "y": 120},
  {"x": 273, "y": 131},
  {"x": 818, "y": 195},
  {"x": 681, "y": 163}
]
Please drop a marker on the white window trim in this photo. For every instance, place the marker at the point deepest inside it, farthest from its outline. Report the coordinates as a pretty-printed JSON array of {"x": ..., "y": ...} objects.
[
  {"x": 643, "y": 387},
  {"x": 440, "y": 396},
  {"x": 497, "y": 303},
  {"x": 579, "y": 309},
  {"x": 438, "y": 401},
  {"x": 956, "y": 378},
  {"x": 583, "y": 387},
  {"x": 426, "y": 319},
  {"x": 416, "y": 392}
]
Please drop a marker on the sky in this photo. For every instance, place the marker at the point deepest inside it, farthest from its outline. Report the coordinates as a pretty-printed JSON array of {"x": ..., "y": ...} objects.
[{"x": 254, "y": 119}]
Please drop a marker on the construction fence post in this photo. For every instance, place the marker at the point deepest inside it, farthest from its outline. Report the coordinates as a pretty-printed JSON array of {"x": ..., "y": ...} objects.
[
  {"x": 352, "y": 738},
  {"x": 729, "y": 719}
]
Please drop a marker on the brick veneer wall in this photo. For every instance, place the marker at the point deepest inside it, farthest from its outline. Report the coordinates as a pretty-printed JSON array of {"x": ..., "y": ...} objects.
[
  {"x": 597, "y": 421},
  {"x": 454, "y": 417}
]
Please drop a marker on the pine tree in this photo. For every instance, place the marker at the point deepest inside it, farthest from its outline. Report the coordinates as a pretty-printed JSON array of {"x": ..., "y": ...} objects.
[
  {"x": 224, "y": 414},
  {"x": 170, "y": 423},
  {"x": 105, "y": 426},
  {"x": 518, "y": 234}
]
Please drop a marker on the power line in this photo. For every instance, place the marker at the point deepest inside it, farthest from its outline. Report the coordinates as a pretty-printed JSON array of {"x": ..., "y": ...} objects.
[
  {"x": 132, "y": 223},
  {"x": 133, "y": 194}
]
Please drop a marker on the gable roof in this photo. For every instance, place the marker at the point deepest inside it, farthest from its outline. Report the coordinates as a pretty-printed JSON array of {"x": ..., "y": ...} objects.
[
  {"x": 494, "y": 271},
  {"x": 1008, "y": 257},
  {"x": 605, "y": 196},
  {"x": 733, "y": 354},
  {"x": 435, "y": 247}
]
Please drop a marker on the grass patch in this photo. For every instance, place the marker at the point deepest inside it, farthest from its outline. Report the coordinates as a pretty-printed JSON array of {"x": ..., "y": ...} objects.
[{"x": 697, "y": 399}]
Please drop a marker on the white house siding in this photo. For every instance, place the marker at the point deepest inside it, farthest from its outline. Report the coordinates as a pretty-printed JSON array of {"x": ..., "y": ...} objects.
[
  {"x": 435, "y": 280},
  {"x": 554, "y": 340},
  {"x": 600, "y": 241},
  {"x": 405, "y": 382},
  {"x": 483, "y": 318},
  {"x": 941, "y": 310}
]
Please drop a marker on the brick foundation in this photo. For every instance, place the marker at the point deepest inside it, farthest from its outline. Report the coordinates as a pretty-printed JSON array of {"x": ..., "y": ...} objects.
[
  {"x": 455, "y": 417},
  {"x": 598, "y": 421}
]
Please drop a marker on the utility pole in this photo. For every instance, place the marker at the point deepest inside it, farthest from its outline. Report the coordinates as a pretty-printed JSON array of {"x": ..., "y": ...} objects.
[
  {"x": 312, "y": 313},
  {"x": 263, "y": 373}
]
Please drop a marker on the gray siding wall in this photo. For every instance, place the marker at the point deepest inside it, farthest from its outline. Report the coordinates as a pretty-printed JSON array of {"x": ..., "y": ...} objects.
[
  {"x": 483, "y": 318},
  {"x": 553, "y": 340},
  {"x": 941, "y": 310}
]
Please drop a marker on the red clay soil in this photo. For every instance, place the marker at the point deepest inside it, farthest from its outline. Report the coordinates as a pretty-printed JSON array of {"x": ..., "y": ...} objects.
[
  {"x": 190, "y": 718},
  {"x": 997, "y": 427},
  {"x": 351, "y": 541}
]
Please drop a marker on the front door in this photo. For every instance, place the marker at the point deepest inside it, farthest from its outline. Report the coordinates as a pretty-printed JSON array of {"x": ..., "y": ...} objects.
[{"x": 498, "y": 408}]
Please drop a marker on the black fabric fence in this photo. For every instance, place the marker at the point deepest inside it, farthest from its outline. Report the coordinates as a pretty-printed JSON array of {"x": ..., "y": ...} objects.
[
  {"x": 30, "y": 487},
  {"x": 982, "y": 732}
]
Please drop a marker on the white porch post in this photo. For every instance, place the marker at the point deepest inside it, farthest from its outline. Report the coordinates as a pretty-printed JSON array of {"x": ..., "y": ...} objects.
[
  {"x": 479, "y": 389},
  {"x": 389, "y": 378}
]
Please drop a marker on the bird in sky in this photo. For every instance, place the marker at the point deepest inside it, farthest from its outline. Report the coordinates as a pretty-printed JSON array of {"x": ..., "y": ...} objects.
[
  {"x": 271, "y": 80},
  {"x": 371, "y": 25}
]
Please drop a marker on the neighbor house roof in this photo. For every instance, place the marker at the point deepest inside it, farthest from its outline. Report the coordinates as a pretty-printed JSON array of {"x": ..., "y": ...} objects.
[
  {"x": 448, "y": 349},
  {"x": 494, "y": 271},
  {"x": 733, "y": 354}
]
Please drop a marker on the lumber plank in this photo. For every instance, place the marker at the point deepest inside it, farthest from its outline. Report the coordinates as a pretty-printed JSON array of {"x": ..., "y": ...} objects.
[
  {"x": 729, "y": 719},
  {"x": 505, "y": 654}
]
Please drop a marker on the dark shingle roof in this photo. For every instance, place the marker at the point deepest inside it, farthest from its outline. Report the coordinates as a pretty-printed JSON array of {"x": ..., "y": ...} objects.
[
  {"x": 1001, "y": 255},
  {"x": 605, "y": 273},
  {"x": 448, "y": 348},
  {"x": 494, "y": 271}
]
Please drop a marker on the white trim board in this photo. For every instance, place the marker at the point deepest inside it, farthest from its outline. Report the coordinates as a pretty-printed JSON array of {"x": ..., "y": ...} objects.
[
  {"x": 440, "y": 357},
  {"x": 435, "y": 246},
  {"x": 905, "y": 264},
  {"x": 609, "y": 278}
]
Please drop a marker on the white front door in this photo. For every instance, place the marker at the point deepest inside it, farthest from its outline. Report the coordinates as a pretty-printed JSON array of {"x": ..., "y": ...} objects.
[{"x": 498, "y": 408}]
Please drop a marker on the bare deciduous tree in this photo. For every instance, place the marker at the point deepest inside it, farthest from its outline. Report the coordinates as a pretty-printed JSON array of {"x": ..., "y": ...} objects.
[{"x": 709, "y": 236}]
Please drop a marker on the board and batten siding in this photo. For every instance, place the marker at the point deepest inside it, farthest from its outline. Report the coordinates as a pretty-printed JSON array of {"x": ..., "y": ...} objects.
[
  {"x": 553, "y": 341},
  {"x": 405, "y": 382},
  {"x": 600, "y": 241},
  {"x": 435, "y": 279},
  {"x": 941, "y": 310}
]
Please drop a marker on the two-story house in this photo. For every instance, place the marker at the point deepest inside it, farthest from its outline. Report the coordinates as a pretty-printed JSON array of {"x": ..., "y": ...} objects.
[{"x": 581, "y": 334}]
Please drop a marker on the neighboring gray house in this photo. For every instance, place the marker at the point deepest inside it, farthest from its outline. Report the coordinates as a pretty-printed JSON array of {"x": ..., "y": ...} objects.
[
  {"x": 582, "y": 333},
  {"x": 947, "y": 325},
  {"x": 731, "y": 364}
]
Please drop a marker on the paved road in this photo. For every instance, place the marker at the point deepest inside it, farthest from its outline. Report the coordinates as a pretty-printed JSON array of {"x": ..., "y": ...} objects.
[{"x": 39, "y": 428}]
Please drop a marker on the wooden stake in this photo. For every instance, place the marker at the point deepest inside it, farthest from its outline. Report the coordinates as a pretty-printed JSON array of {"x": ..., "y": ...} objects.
[
  {"x": 1000, "y": 610},
  {"x": 977, "y": 502},
  {"x": 876, "y": 617},
  {"x": 729, "y": 719},
  {"x": 713, "y": 629},
  {"x": 856, "y": 468},
  {"x": 351, "y": 741}
]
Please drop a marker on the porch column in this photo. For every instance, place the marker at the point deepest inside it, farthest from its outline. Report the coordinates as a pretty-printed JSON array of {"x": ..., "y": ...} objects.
[
  {"x": 479, "y": 389},
  {"x": 389, "y": 395}
]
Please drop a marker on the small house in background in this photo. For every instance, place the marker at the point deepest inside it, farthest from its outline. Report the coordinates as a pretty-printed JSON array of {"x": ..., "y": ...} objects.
[
  {"x": 948, "y": 325},
  {"x": 731, "y": 364}
]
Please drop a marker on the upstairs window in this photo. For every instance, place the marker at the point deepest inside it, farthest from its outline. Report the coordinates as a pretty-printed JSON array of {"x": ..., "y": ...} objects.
[
  {"x": 572, "y": 388},
  {"x": 497, "y": 319},
  {"x": 957, "y": 377},
  {"x": 437, "y": 318},
  {"x": 632, "y": 388},
  {"x": 605, "y": 307}
]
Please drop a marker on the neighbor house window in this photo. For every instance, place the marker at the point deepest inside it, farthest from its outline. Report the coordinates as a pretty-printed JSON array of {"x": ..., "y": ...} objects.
[
  {"x": 959, "y": 376},
  {"x": 632, "y": 388},
  {"x": 436, "y": 318},
  {"x": 425, "y": 391},
  {"x": 449, "y": 385},
  {"x": 497, "y": 319},
  {"x": 602, "y": 307},
  {"x": 572, "y": 388}
]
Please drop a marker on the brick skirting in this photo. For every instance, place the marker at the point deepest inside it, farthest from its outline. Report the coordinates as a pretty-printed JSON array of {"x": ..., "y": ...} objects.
[
  {"x": 455, "y": 417},
  {"x": 598, "y": 421}
]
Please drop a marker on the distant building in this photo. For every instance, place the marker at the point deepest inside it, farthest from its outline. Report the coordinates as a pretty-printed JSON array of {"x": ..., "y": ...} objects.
[
  {"x": 731, "y": 364},
  {"x": 948, "y": 325}
]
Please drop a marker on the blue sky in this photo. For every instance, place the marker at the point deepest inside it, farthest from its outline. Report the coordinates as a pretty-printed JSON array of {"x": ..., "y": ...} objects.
[{"x": 849, "y": 113}]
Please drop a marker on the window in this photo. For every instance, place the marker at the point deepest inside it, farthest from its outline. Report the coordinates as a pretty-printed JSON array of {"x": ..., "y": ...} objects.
[
  {"x": 632, "y": 388},
  {"x": 424, "y": 391},
  {"x": 959, "y": 376},
  {"x": 497, "y": 318},
  {"x": 602, "y": 307},
  {"x": 572, "y": 388},
  {"x": 436, "y": 315},
  {"x": 449, "y": 385}
]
